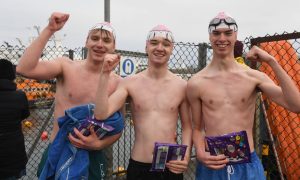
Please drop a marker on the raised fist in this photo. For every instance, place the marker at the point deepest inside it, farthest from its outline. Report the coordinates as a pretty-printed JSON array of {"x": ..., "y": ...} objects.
[
  {"x": 110, "y": 62},
  {"x": 57, "y": 20},
  {"x": 257, "y": 54}
]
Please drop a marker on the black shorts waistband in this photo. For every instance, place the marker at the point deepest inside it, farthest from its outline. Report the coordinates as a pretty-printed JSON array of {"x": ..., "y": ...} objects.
[{"x": 138, "y": 163}]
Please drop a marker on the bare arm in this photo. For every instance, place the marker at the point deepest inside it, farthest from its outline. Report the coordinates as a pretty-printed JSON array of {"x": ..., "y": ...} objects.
[
  {"x": 29, "y": 64},
  {"x": 92, "y": 142},
  {"x": 287, "y": 95},
  {"x": 214, "y": 162},
  {"x": 184, "y": 112},
  {"x": 198, "y": 127},
  {"x": 106, "y": 105},
  {"x": 185, "y": 116}
]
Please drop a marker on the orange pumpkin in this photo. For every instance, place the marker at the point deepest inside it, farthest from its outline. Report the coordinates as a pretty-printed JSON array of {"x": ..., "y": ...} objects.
[{"x": 35, "y": 90}]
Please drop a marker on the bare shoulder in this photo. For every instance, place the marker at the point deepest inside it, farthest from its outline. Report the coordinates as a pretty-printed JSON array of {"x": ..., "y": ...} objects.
[
  {"x": 256, "y": 75},
  {"x": 115, "y": 76},
  {"x": 197, "y": 78},
  {"x": 177, "y": 79},
  {"x": 65, "y": 60},
  {"x": 133, "y": 77},
  {"x": 129, "y": 80},
  {"x": 68, "y": 63}
]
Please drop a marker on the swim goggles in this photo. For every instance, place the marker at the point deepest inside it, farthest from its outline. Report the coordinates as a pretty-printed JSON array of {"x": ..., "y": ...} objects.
[{"x": 227, "y": 22}]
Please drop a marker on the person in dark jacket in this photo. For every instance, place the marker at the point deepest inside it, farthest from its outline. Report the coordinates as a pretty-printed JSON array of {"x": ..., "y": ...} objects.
[{"x": 13, "y": 109}]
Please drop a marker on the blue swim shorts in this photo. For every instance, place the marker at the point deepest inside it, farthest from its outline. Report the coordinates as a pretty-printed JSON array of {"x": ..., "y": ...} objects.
[{"x": 245, "y": 171}]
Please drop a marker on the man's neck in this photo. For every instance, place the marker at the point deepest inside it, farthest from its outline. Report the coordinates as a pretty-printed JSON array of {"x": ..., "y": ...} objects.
[
  {"x": 157, "y": 72},
  {"x": 223, "y": 63}
]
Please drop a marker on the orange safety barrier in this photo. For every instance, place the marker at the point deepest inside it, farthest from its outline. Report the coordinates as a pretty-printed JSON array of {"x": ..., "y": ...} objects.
[{"x": 285, "y": 125}]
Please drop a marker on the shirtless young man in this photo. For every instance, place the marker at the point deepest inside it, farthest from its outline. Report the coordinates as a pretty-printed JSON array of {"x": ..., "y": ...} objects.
[
  {"x": 157, "y": 97},
  {"x": 223, "y": 96},
  {"x": 76, "y": 80}
]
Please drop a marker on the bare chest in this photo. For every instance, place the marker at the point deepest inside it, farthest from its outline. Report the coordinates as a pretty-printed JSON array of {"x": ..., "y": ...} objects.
[
  {"x": 163, "y": 97},
  {"x": 78, "y": 88},
  {"x": 237, "y": 92}
]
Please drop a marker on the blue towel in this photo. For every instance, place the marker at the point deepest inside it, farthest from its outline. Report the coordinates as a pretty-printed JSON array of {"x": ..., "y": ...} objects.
[{"x": 66, "y": 161}]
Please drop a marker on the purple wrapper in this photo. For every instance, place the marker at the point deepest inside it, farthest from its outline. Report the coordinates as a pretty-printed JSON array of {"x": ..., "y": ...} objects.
[
  {"x": 100, "y": 128},
  {"x": 233, "y": 145},
  {"x": 165, "y": 152}
]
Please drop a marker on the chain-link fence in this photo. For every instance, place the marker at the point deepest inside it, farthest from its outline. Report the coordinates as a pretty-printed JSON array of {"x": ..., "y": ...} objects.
[{"x": 282, "y": 146}]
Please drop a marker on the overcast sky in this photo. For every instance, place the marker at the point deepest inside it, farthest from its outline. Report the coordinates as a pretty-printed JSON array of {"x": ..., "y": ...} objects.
[{"x": 132, "y": 19}]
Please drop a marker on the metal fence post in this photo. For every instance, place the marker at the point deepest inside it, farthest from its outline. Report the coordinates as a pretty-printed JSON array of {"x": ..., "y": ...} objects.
[
  {"x": 71, "y": 54},
  {"x": 202, "y": 55},
  {"x": 84, "y": 52}
]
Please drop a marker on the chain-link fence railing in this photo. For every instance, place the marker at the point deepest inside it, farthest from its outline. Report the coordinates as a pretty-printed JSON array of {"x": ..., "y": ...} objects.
[
  {"x": 280, "y": 147},
  {"x": 187, "y": 59}
]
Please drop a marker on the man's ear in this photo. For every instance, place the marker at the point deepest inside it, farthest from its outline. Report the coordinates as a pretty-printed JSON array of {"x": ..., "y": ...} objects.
[
  {"x": 87, "y": 38},
  {"x": 209, "y": 38},
  {"x": 146, "y": 48},
  {"x": 146, "y": 51}
]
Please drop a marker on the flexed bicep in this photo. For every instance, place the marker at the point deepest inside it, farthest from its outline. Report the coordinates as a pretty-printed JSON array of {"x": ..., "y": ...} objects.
[
  {"x": 271, "y": 90},
  {"x": 30, "y": 64},
  {"x": 44, "y": 69}
]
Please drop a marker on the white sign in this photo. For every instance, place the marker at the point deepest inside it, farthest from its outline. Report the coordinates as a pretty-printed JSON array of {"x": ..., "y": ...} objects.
[{"x": 127, "y": 67}]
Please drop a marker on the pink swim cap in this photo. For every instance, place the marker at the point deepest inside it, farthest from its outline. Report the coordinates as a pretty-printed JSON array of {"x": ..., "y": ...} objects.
[
  {"x": 160, "y": 31},
  {"x": 222, "y": 20},
  {"x": 104, "y": 26}
]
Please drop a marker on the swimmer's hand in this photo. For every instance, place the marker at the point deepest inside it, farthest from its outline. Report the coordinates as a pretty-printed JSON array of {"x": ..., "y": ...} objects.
[
  {"x": 177, "y": 166},
  {"x": 57, "y": 21},
  {"x": 257, "y": 54},
  {"x": 110, "y": 62},
  {"x": 213, "y": 162}
]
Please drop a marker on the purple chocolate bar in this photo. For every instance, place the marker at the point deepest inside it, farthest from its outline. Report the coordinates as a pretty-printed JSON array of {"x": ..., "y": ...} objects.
[
  {"x": 233, "y": 145},
  {"x": 165, "y": 152},
  {"x": 100, "y": 128}
]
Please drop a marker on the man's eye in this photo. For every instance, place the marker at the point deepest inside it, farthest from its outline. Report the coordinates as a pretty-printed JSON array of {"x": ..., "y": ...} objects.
[
  {"x": 216, "y": 33},
  {"x": 167, "y": 44},
  {"x": 107, "y": 40}
]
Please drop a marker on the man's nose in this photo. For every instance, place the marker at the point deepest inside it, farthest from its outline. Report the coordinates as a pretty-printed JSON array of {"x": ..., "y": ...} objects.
[
  {"x": 159, "y": 46},
  {"x": 222, "y": 36},
  {"x": 100, "y": 43}
]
